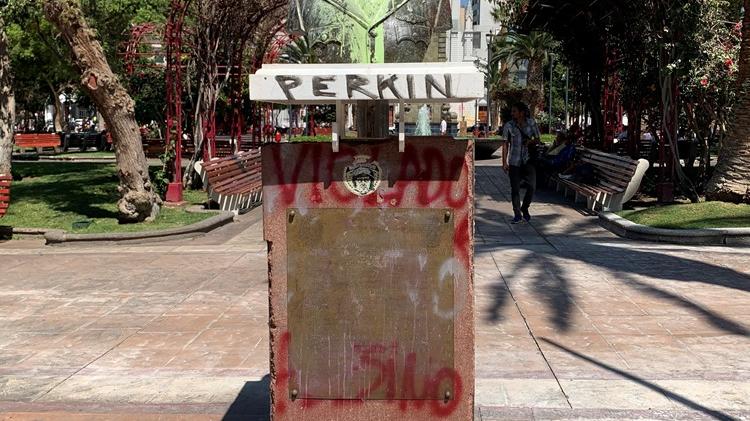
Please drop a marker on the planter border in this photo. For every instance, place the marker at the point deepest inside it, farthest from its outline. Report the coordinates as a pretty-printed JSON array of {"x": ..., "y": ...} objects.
[
  {"x": 709, "y": 236},
  {"x": 56, "y": 237},
  {"x": 59, "y": 237},
  {"x": 77, "y": 159}
]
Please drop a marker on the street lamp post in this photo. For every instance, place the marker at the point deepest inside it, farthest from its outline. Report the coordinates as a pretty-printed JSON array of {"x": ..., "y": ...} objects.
[
  {"x": 551, "y": 76},
  {"x": 490, "y": 41},
  {"x": 567, "y": 98}
]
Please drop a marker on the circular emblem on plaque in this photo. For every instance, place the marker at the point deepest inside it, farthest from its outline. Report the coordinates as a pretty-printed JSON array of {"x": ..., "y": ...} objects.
[{"x": 362, "y": 177}]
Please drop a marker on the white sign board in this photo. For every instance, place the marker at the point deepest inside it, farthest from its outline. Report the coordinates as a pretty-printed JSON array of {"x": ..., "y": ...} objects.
[{"x": 331, "y": 83}]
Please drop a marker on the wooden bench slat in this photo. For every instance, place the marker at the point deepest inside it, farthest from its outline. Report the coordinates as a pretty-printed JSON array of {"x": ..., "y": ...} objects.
[
  {"x": 37, "y": 140},
  {"x": 612, "y": 188},
  {"x": 611, "y": 163},
  {"x": 235, "y": 178},
  {"x": 214, "y": 170},
  {"x": 614, "y": 175},
  {"x": 614, "y": 178},
  {"x": 619, "y": 172},
  {"x": 232, "y": 171},
  {"x": 222, "y": 162},
  {"x": 613, "y": 167},
  {"x": 237, "y": 166},
  {"x": 243, "y": 179},
  {"x": 5, "y": 182},
  {"x": 242, "y": 156},
  {"x": 577, "y": 186},
  {"x": 243, "y": 190},
  {"x": 236, "y": 175},
  {"x": 241, "y": 186},
  {"x": 608, "y": 156}
]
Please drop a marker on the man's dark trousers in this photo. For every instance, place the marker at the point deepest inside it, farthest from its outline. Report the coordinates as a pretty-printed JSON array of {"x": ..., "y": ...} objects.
[{"x": 525, "y": 172}]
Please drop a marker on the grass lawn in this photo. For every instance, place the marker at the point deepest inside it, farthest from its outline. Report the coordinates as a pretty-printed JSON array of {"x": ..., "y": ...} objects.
[
  {"x": 300, "y": 139},
  {"x": 87, "y": 155},
  {"x": 692, "y": 216},
  {"x": 80, "y": 198},
  {"x": 548, "y": 138}
]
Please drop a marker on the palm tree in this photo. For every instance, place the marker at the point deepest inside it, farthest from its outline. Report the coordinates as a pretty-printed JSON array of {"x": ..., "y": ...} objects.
[
  {"x": 731, "y": 179},
  {"x": 299, "y": 52},
  {"x": 532, "y": 49}
]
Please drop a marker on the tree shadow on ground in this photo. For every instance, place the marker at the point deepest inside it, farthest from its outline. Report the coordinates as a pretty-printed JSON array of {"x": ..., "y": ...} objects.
[
  {"x": 86, "y": 189},
  {"x": 252, "y": 403},
  {"x": 643, "y": 382},
  {"x": 550, "y": 281}
]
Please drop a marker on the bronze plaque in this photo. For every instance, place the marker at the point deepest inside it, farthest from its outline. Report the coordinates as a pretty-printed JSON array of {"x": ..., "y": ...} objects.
[{"x": 370, "y": 303}]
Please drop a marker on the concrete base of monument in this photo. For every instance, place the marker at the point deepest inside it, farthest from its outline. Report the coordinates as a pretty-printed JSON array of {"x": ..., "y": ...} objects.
[{"x": 371, "y": 279}]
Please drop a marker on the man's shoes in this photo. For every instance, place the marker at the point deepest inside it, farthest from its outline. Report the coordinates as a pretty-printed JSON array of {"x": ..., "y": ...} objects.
[
  {"x": 527, "y": 216},
  {"x": 517, "y": 220}
]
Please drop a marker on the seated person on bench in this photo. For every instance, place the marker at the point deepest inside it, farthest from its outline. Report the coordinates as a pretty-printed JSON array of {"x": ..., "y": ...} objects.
[{"x": 560, "y": 157}]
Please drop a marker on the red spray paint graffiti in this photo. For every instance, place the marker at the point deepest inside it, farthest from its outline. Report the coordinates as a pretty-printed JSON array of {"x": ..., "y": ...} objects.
[
  {"x": 381, "y": 360},
  {"x": 428, "y": 172}
]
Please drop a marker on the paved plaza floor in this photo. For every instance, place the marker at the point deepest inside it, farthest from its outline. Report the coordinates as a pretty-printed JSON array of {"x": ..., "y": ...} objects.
[{"x": 572, "y": 323}]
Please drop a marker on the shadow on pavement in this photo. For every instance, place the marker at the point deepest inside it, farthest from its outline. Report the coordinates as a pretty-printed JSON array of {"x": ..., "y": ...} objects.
[
  {"x": 671, "y": 395},
  {"x": 252, "y": 403},
  {"x": 573, "y": 244}
]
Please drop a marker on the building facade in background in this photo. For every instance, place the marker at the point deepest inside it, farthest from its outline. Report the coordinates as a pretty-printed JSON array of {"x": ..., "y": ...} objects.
[{"x": 468, "y": 42}]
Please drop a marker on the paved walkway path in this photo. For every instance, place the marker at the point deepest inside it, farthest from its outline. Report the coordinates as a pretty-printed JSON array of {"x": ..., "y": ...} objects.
[{"x": 572, "y": 323}]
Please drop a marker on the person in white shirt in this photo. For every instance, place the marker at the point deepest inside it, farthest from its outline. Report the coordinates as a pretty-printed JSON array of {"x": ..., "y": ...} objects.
[
  {"x": 443, "y": 127},
  {"x": 521, "y": 137}
]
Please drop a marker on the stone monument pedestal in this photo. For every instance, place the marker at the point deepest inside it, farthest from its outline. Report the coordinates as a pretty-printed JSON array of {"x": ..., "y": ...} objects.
[
  {"x": 370, "y": 251},
  {"x": 371, "y": 288}
]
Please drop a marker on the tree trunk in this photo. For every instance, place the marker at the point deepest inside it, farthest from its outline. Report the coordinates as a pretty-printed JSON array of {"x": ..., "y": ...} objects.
[
  {"x": 595, "y": 107},
  {"x": 535, "y": 81},
  {"x": 138, "y": 200},
  {"x": 7, "y": 105},
  {"x": 731, "y": 179},
  {"x": 59, "y": 117}
]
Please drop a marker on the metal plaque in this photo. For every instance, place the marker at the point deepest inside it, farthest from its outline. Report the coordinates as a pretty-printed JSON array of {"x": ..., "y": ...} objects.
[{"x": 370, "y": 303}]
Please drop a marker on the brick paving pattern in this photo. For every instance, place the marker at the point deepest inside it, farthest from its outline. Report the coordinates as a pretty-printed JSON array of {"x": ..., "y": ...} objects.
[{"x": 572, "y": 323}]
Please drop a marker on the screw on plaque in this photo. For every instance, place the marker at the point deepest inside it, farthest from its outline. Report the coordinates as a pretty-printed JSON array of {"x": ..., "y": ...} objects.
[
  {"x": 294, "y": 394},
  {"x": 448, "y": 216},
  {"x": 291, "y": 216},
  {"x": 447, "y": 396}
]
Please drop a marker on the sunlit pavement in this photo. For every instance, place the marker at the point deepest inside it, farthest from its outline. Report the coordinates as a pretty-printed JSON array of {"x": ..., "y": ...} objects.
[{"x": 572, "y": 323}]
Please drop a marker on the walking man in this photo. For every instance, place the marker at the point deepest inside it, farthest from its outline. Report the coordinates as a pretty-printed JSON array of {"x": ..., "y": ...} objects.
[{"x": 519, "y": 152}]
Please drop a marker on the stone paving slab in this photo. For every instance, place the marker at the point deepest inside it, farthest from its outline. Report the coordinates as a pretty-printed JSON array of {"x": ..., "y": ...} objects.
[{"x": 572, "y": 323}]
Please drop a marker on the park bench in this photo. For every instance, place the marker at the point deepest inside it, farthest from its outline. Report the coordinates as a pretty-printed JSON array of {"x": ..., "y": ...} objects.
[
  {"x": 152, "y": 147},
  {"x": 224, "y": 146},
  {"x": 617, "y": 180},
  {"x": 234, "y": 182},
  {"x": 38, "y": 141},
  {"x": 5, "y": 180}
]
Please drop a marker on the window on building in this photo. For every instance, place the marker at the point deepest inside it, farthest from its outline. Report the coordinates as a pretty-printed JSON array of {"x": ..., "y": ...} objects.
[{"x": 476, "y": 40}]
